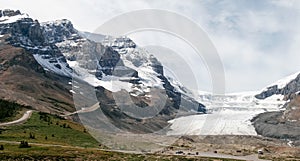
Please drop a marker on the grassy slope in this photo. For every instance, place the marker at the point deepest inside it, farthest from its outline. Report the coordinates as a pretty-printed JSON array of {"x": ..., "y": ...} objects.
[
  {"x": 84, "y": 146},
  {"x": 74, "y": 135}
]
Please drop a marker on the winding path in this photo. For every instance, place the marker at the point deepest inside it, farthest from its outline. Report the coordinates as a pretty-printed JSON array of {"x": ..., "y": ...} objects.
[{"x": 26, "y": 116}]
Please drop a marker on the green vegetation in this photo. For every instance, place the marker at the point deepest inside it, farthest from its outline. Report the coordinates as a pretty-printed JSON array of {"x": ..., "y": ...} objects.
[
  {"x": 24, "y": 144},
  {"x": 49, "y": 129},
  {"x": 49, "y": 137},
  {"x": 9, "y": 109}
]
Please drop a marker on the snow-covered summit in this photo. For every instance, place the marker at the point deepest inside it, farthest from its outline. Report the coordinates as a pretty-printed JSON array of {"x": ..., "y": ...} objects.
[
  {"x": 11, "y": 16},
  {"x": 59, "y": 30}
]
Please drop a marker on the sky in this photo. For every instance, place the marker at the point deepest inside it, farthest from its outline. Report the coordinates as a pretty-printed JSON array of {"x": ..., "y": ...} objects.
[{"x": 258, "y": 41}]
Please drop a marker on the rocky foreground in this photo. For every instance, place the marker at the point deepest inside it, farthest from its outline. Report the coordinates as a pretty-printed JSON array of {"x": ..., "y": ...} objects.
[{"x": 281, "y": 124}]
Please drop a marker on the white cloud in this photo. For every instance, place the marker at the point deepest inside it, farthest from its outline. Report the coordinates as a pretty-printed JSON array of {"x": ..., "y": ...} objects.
[
  {"x": 254, "y": 42},
  {"x": 258, "y": 41}
]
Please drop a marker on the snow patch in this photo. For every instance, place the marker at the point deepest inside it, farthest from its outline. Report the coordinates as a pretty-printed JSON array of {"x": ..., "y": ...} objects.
[
  {"x": 110, "y": 83},
  {"x": 46, "y": 64}
]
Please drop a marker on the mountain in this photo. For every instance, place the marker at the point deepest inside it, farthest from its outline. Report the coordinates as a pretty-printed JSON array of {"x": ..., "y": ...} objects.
[
  {"x": 23, "y": 79},
  {"x": 55, "y": 68},
  {"x": 284, "y": 124},
  {"x": 46, "y": 65}
]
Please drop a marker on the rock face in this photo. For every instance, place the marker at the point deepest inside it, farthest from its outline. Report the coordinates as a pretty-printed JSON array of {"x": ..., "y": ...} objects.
[
  {"x": 23, "y": 31},
  {"x": 58, "y": 31},
  {"x": 43, "y": 39},
  {"x": 9, "y": 13}
]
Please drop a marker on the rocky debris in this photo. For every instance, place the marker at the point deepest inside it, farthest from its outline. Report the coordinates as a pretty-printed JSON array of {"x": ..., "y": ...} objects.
[{"x": 272, "y": 124}]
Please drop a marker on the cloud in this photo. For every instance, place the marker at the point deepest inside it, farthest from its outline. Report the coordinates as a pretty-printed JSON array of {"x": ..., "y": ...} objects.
[
  {"x": 258, "y": 41},
  {"x": 257, "y": 44}
]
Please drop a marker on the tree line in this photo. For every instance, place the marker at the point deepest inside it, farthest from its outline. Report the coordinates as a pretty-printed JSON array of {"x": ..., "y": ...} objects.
[{"x": 9, "y": 109}]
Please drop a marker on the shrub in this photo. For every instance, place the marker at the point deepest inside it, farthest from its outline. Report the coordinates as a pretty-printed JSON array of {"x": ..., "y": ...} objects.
[
  {"x": 24, "y": 144},
  {"x": 31, "y": 136}
]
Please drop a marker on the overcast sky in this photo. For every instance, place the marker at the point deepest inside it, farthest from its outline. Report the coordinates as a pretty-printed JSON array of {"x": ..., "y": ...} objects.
[{"x": 258, "y": 40}]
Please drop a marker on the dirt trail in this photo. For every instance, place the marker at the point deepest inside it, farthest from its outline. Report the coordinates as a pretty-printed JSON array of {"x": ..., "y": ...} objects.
[
  {"x": 201, "y": 154},
  {"x": 26, "y": 116},
  {"x": 84, "y": 110}
]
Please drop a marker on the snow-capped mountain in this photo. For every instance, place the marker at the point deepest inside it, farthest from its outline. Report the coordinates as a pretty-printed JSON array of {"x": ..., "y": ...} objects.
[
  {"x": 107, "y": 64},
  {"x": 23, "y": 79}
]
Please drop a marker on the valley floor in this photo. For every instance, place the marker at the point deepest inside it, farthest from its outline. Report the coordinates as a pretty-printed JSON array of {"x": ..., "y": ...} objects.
[{"x": 52, "y": 134}]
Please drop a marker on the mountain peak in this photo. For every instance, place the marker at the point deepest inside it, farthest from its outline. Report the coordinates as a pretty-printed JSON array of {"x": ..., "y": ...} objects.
[
  {"x": 9, "y": 12},
  {"x": 59, "y": 30},
  {"x": 10, "y": 16}
]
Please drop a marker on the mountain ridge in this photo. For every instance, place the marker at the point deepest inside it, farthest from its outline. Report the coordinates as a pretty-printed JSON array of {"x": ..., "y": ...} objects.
[{"x": 116, "y": 64}]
